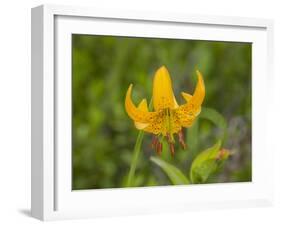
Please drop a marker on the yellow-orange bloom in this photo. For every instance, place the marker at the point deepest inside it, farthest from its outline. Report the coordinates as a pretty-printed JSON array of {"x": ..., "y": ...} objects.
[{"x": 168, "y": 117}]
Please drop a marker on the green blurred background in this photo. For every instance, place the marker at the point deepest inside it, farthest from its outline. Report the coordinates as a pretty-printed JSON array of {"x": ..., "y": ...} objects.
[{"x": 103, "y": 136}]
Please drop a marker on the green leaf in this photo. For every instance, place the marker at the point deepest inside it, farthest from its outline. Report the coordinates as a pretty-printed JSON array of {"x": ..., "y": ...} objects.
[
  {"x": 216, "y": 118},
  {"x": 201, "y": 173},
  {"x": 174, "y": 174},
  {"x": 207, "y": 163}
]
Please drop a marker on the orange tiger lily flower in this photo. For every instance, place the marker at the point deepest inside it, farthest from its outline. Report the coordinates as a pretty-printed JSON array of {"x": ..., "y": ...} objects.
[{"x": 168, "y": 117}]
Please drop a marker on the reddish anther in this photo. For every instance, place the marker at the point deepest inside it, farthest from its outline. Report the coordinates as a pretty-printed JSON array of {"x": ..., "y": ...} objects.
[
  {"x": 154, "y": 142},
  {"x": 181, "y": 140},
  {"x": 159, "y": 148},
  {"x": 172, "y": 149}
]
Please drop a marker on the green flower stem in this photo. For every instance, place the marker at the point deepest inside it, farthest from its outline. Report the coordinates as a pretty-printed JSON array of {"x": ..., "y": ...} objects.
[
  {"x": 134, "y": 161},
  {"x": 136, "y": 153}
]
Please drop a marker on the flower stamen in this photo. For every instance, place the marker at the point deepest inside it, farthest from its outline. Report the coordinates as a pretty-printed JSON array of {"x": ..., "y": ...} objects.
[
  {"x": 154, "y": 142},
  {"x": 181, "y": 140},
  {"x": 159, "y": 148}
]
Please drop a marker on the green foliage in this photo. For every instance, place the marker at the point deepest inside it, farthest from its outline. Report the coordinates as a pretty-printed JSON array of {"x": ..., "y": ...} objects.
[
  {"x": 207, "y": 163},
  {"x": 174, "y": 174},
  {"x": 217, "y": 119}
]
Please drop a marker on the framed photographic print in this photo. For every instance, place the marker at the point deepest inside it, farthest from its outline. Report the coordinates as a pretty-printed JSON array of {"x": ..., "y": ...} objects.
[{"x": 137, "y": 112}]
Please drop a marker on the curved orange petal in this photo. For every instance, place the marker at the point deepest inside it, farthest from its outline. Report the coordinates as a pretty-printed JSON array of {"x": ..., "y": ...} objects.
[
  {"x": 199, "y": 93},
  {"x": 188, "y": 112},
  {"x": 157, "y": 125},
  {"x": 163, "y": 95},
  {"x": 142, "y": 106},
  {"x": 136, "y": 114},
  {"x": 186, "y": 96}
]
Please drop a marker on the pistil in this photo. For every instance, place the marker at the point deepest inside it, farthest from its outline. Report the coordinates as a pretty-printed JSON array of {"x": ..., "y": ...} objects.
[{"x": 171, "y": 145}]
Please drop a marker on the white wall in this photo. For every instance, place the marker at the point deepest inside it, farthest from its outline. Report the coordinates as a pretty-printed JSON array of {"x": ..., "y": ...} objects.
[{"x": 15, "y": 112}]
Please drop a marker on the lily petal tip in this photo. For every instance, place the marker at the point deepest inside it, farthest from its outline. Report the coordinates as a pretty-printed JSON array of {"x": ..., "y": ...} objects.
[
  {"x": 199, "y": 74},
  {"x": 163, "y": 68}
]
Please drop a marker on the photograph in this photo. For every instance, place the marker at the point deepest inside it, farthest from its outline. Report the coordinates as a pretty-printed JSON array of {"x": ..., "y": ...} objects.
[{"x": 160, "y": 112}]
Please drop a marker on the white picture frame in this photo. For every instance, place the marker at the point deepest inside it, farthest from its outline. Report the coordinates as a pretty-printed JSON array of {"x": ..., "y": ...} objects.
[{"x": 52, "y": 197}]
